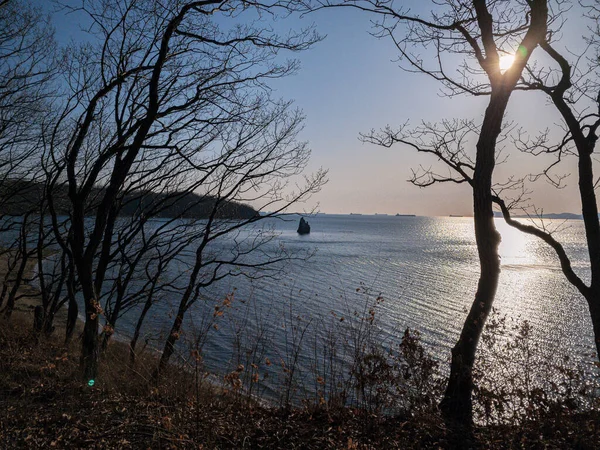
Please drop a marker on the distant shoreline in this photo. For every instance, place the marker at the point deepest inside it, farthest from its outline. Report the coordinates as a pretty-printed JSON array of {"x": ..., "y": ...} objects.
[{"x": 497, "y": 215}]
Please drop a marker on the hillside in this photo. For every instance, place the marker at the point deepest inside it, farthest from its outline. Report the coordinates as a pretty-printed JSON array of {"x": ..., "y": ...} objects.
[{"x": 18, "y": 197}]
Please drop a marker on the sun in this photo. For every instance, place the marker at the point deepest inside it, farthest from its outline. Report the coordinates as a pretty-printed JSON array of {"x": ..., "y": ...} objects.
[{"x": 506, "y": 61}]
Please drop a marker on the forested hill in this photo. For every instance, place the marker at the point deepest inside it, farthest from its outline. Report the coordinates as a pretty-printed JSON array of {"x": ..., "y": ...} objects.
[{"x": 19, "y": 197}]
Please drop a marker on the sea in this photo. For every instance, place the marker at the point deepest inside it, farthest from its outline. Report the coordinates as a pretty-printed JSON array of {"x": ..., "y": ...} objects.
[
  {"x": 413, "y": 272},
  {"x": 360, "y": 280}
]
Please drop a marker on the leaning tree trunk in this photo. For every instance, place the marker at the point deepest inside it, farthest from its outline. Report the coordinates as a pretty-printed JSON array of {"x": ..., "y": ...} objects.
[
  {"x": 170, "y": 344},
  {"x": 456, "y": 405},
  {"x": 18, "y": 281},
  {"x": 138, "y": 329},
  {"x": 187, "y": 299},
  {"x": 14, "y": 291}
]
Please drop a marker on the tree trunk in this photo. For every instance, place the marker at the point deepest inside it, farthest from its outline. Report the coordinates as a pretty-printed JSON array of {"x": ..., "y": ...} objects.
[
  {"x": 456, "y": 405},
  {"x": 49, "y": 322},
  {"x": 592, "y": 231},
  {"x": 112, "y": 321},
  {"x": 4, "y": 288},
  {"x": 38, "y": 319},
  {"x": 136, "y": 334},
  {"x": 170, "y": 344},
  {"x": 594, "y": 308},
  {"x": 72, "y": 313},
  {"x": 12, "y": 296},
  {"x": 105, "y": 338},
  {"x": 186, "y": 300},
  {"x": 52, "y": 309},
  {"x": 11, "y": 263},
  {"x": 73, "y": 308},
  {"x": 90, "y": 346}
]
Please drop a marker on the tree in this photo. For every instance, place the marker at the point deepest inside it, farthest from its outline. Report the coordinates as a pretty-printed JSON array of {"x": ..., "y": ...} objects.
[
  {"x": 482, "y": 31},
  {"x": 26, "y": 66},
  {"x": 573, "y": 89},
  {"x": 258, "y": 151},
  {"x": 26, "y": 69},
  {"x": 170, "y": 85}
]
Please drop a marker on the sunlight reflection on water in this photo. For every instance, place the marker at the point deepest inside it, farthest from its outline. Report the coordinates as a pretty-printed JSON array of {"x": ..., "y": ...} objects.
[{"x": 425, "y": 268}]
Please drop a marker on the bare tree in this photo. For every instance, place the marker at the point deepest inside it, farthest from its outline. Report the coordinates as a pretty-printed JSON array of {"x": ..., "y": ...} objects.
[
  {"x": 256, "y": 155},
  {"x": 26, "y": 66},
  {"x": 482, "y": 31},
  {"x": 165, "y": 80},
  {"x": 26, "y": 70},
  {"x": 572, "y": 87}
]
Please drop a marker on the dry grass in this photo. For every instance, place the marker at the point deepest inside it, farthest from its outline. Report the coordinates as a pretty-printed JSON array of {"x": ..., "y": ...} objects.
[{"x": 44, "y": 405}]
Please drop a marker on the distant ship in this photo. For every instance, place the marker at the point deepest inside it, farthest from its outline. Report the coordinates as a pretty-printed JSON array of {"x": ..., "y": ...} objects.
[
  {"x": 455, "y": 215},
  {"x": 406, "y": 215},
  {"x": 355, "y": 214}
]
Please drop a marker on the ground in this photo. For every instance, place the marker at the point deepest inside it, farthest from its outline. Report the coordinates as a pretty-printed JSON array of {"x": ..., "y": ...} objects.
[{"x": 44, "y": 404}]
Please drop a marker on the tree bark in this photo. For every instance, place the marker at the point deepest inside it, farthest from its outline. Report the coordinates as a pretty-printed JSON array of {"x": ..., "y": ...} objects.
[
  {"x": 49, "y": 322},
  {"x": 187, "y": 299},
  {"x": 456, "y": 405}
]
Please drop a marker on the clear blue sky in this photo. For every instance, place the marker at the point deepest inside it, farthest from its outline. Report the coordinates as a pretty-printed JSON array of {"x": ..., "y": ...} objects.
[{"x": 349, "y": 83}]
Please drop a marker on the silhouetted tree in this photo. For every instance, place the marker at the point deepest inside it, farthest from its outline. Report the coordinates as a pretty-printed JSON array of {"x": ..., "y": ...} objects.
[
  {"x": 26, "y": 69},
  {"x": 482, "y": 31},
  {"x": 572, "y": 87},
  {"x": 263, "y": 150},
  {"x": 177, "y": 85}
]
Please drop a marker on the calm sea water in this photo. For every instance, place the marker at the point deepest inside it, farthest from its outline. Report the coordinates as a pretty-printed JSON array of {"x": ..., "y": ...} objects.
[{"x": 426, "y": 270}]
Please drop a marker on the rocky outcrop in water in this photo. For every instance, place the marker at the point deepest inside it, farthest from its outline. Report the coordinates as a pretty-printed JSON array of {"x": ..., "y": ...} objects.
[{"x": 303, "y": 227}]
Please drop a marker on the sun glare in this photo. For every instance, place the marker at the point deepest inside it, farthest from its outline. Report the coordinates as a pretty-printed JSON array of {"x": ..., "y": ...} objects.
[{"x": 506, "y": 61}]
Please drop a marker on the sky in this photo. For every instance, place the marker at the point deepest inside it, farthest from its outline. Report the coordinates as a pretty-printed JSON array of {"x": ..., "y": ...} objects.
[{"x": 350, "y": 83}]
